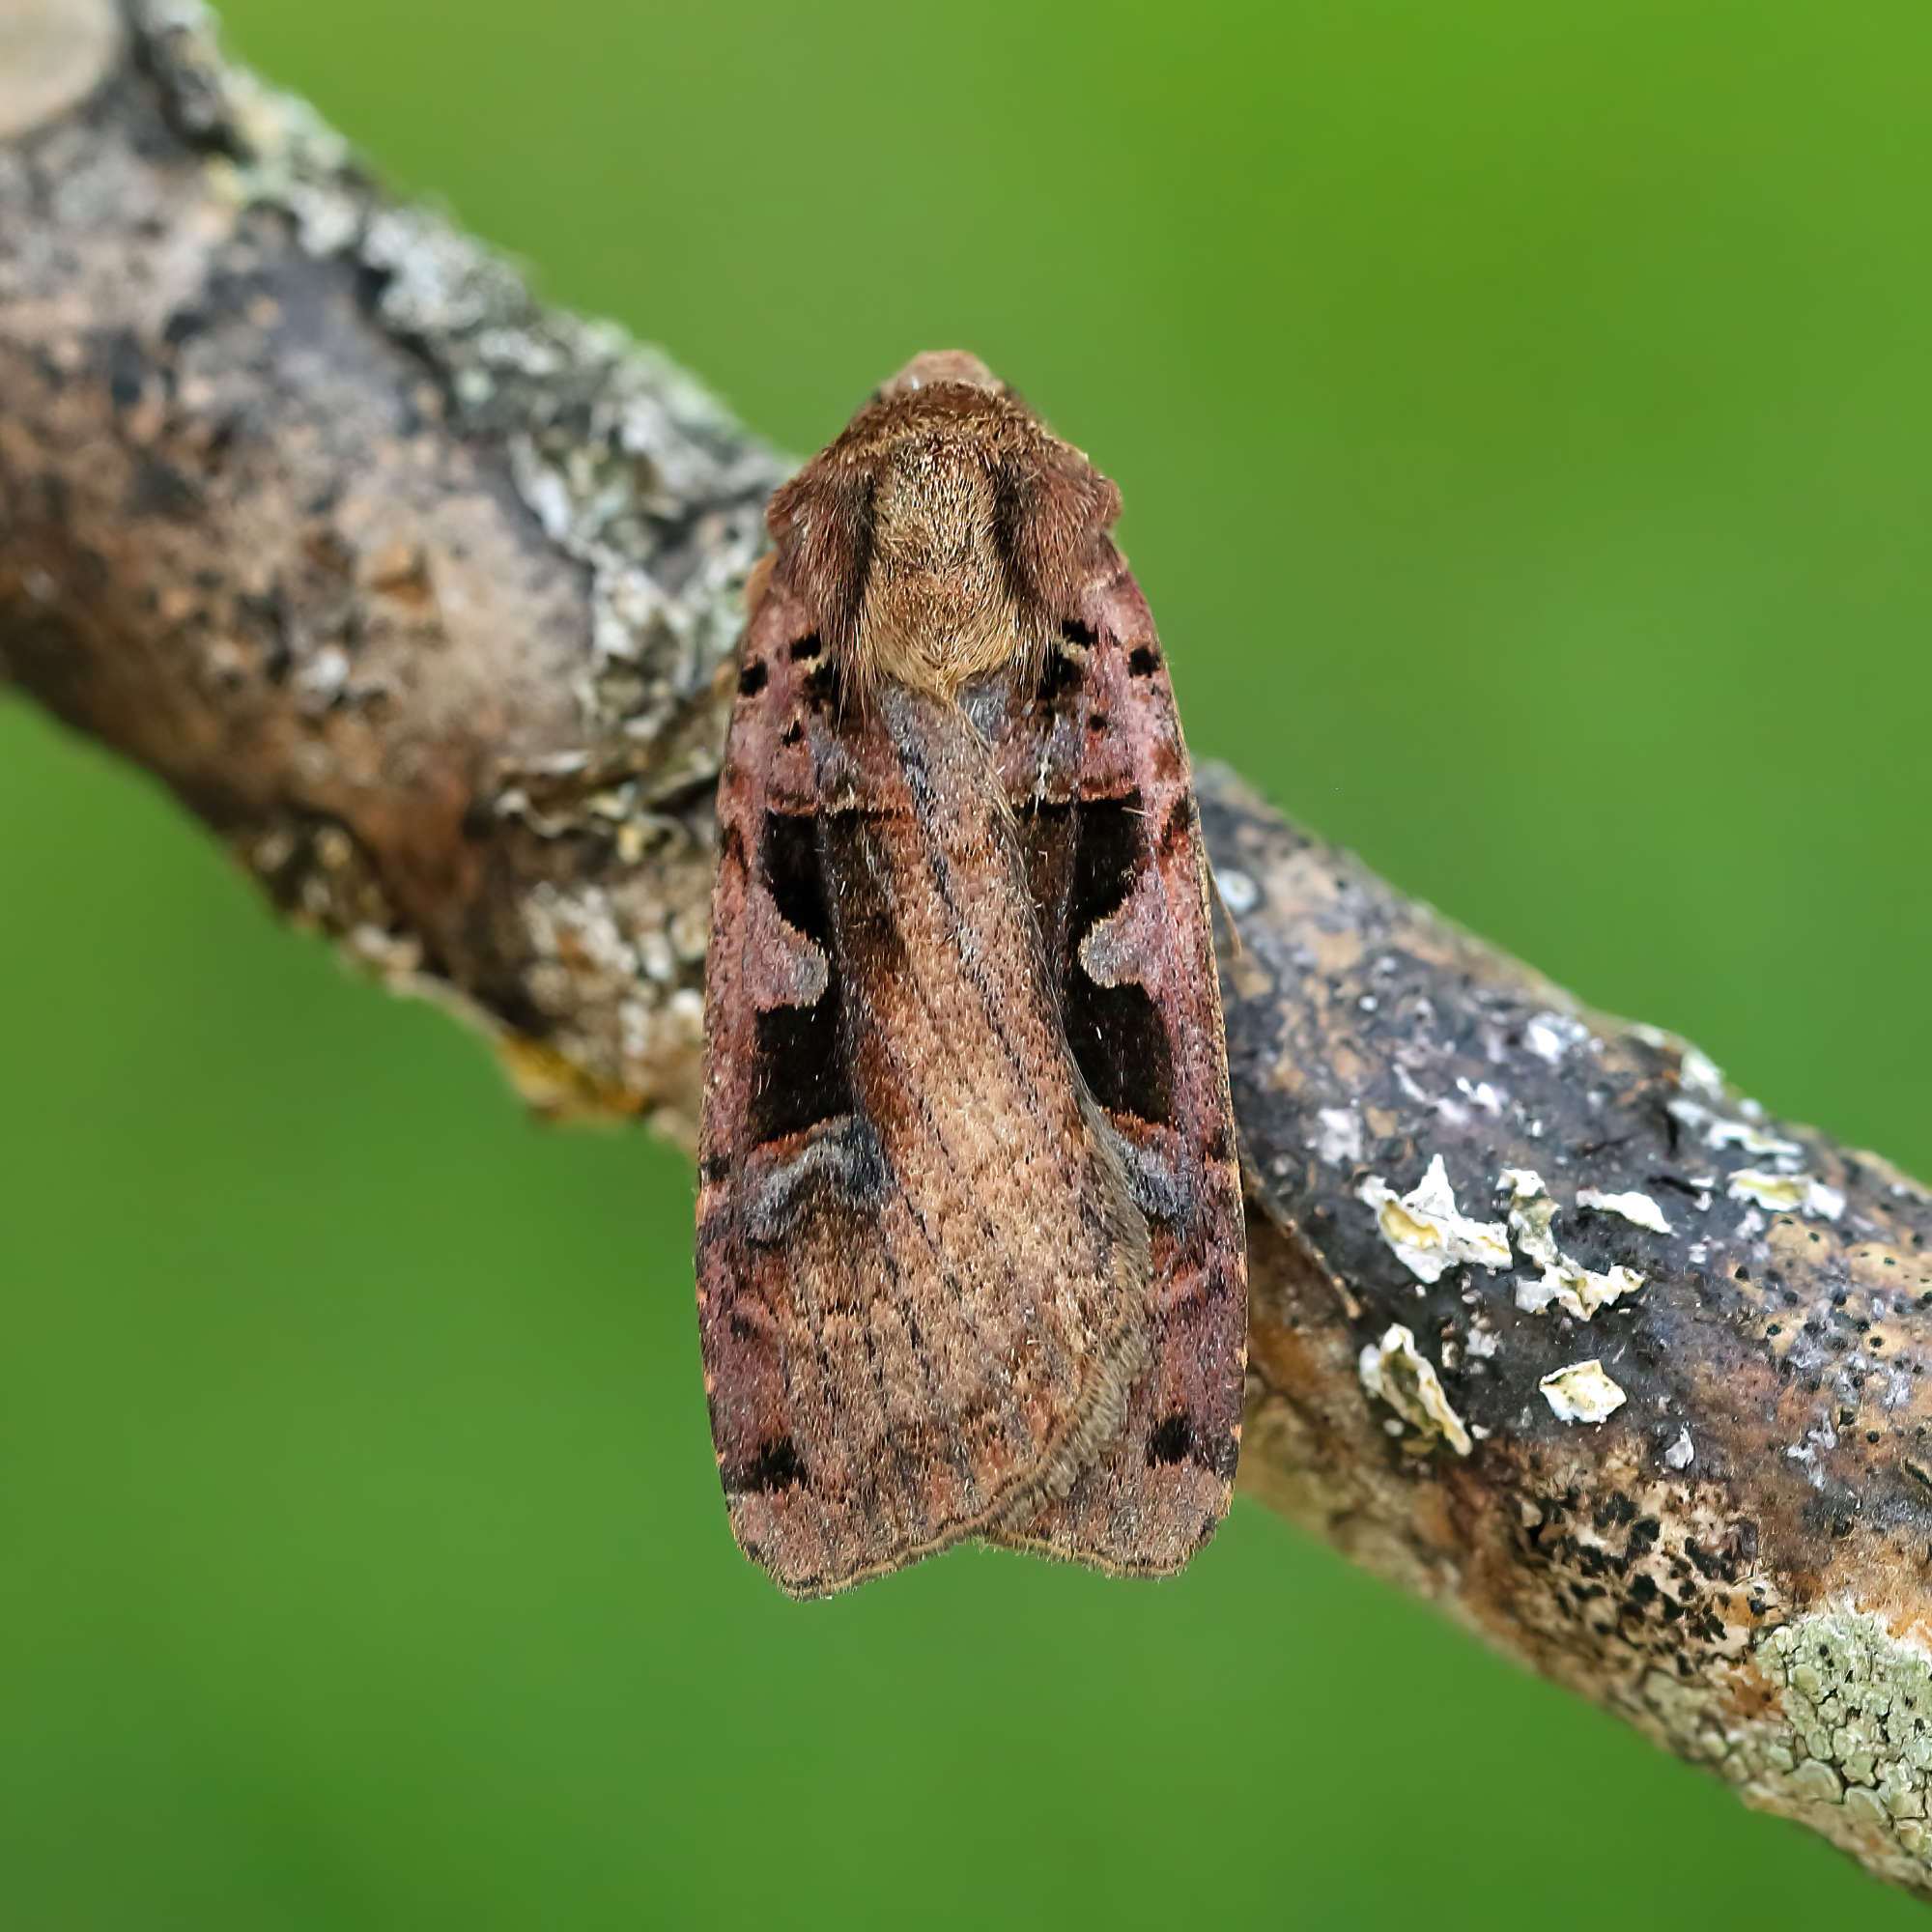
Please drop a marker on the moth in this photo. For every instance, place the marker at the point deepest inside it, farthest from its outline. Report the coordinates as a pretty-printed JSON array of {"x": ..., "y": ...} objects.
[{"x": 970, "y": 1247}]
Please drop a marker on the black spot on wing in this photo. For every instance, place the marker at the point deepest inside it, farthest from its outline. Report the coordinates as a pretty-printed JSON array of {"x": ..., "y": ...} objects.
[
  {"x": 1172, "y": 1441},
  {"x": 1121, "y": 1044},
  {"x": 753, "y": 678},
  {"x": 799, "y": 1079},
  {"x": 776, "y": 1466},
  {"x": 1109, "y": 855},
  {"x": 1058, "y": 676},
  {"x": 794, "y": 876},
  {"x": 1143, "y": 661},
  {"x": 1046, "y": 839},
  {"x": 1179, "y": 825},
  {"x": 1119, "y": 1038}
]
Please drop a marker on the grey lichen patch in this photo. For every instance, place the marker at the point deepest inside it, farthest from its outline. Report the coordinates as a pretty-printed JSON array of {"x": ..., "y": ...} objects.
[
  {"x": 1338, "y": 1136},
  {"x": 322, "y": 879},
  {"x": 1716, "y": 1132},
  {"x": 629, "y": 465},
  {"x": 1238, "y": 892},
  {"x": 1551, "y": 1036},
  {"x": 620, "y": 978},
  {"x": 1395, "y": 1372},
  {"x": 1426, "y": 1229}
]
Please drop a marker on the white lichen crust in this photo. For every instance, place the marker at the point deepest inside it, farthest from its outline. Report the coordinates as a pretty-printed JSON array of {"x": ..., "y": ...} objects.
[
  {"x": 1395, "y": 1372},
  {"x": 1427, "y": 1231},
  {"x": 1637, "y": 1209},
  {"x": 1581, "y": 1392},
  {"x": 1565, "y": 1283}
]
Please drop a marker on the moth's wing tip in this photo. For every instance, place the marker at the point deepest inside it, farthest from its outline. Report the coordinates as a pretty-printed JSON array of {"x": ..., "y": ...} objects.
[
  {"x": 815, "y": 1581},
  {"x": 806, "y": 1589},
  {"x": 803, "y": 1583},
  {"x": 1142, "y": 1556}
]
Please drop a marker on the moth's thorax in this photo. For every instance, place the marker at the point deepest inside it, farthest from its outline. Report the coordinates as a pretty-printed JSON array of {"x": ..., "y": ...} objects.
[
  {"x": 939, "y": 606},
  {"x": 945, "y": 534}
]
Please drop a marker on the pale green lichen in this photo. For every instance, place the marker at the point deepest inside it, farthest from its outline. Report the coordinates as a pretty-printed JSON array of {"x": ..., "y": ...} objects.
[
  {"x": 1857, "y": 1702},
  {"x": 1530, "y": 1213},
  {"x": 1843, "y": 1744}
]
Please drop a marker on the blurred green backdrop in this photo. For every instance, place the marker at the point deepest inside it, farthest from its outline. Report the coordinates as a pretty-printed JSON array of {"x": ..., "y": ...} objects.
[{"x": 1523, "y": 414}]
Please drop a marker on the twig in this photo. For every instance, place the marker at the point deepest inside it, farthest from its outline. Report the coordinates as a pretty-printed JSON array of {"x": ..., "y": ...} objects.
[{"x": 417, "y": 593}]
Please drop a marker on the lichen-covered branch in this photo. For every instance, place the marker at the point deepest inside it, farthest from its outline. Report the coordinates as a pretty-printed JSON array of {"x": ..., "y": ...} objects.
[
  {"x": 417, "y": 593},
  {"x": 1650, "y": 1401},
  {"x": 414, "y": 591}
]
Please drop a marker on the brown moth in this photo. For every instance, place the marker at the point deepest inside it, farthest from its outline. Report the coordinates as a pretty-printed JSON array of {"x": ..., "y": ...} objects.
[{"x": 970, "y": 1248}]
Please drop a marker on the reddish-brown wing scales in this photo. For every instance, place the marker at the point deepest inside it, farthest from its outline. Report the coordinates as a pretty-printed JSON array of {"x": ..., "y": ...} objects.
[
  {"x": 970, "y": 1250},
  {"x": 1099, "y": 779}
]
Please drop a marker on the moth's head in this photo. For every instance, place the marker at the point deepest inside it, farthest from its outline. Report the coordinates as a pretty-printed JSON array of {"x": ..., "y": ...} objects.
[
  {"x": 935, "y": 367},
  {"x": 945, "y": 534}
]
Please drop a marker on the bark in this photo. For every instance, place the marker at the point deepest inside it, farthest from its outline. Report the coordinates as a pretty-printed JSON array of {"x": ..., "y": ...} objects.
[{"x": 418, "y": 594}]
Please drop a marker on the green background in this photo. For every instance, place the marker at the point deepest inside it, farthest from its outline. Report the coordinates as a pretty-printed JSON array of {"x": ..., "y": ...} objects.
[{"x": 1523, "y": 415}]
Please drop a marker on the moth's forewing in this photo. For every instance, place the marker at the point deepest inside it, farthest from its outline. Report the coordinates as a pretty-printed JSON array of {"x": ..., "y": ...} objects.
[
  {"x": 969, "y": 1245},
  {"x": 921, "y": 1279},
  {"x": 1097, "y": 771}
]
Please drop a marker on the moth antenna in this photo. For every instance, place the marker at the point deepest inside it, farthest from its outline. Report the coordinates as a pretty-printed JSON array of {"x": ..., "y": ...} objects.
[
  {"x": 757, "y": 581},
  {"x": 1235, "y": 949}
]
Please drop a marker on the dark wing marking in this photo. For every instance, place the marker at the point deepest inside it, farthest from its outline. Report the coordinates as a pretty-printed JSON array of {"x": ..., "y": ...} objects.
[
  {"x": 922, "y": 1271},
  {"x": 1098, "y": 774}
]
